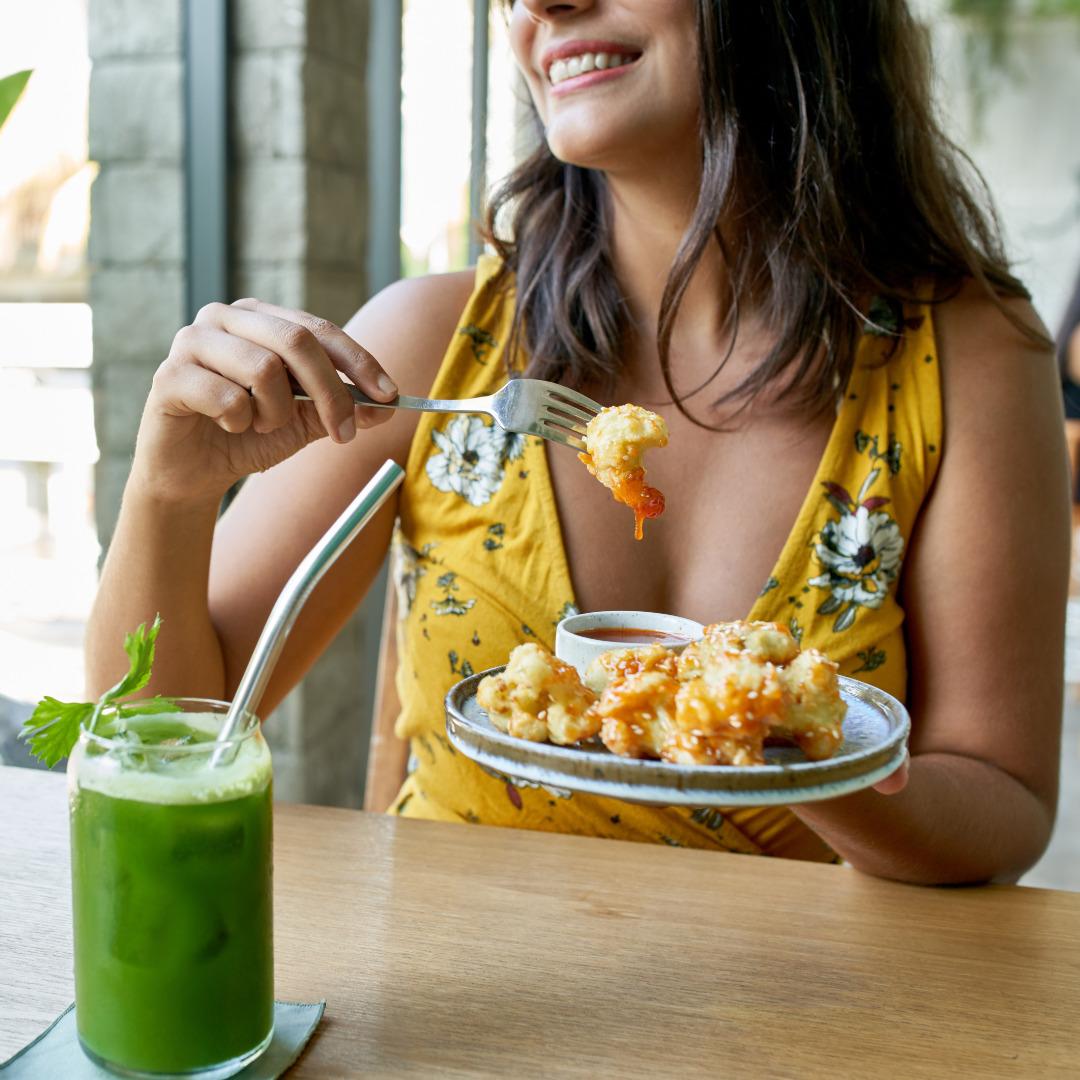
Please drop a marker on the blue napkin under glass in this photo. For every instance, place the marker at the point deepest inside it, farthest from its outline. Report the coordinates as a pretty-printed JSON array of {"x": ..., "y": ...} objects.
[{"x": 56, "y": 1051}]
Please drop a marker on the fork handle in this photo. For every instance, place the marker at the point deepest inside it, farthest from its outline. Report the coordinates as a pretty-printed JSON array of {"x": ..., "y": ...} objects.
[{"x": 403, "y": 401}]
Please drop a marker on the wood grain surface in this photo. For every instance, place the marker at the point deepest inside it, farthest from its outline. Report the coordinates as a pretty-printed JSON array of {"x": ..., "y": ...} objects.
[{"x": 462, "y": 951}]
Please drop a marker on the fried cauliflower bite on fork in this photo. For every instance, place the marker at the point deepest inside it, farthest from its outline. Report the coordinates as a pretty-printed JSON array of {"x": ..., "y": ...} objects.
[
  {"x": 615, "y": 443},
  {"x": 539, "y": 697}
]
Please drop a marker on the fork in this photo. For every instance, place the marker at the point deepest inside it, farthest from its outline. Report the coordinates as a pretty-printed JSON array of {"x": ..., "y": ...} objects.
[{"x": 523, "y": 406}]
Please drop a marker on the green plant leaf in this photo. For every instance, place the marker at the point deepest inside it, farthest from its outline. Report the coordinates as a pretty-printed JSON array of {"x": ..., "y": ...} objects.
[
  {"x": 53, "y": 728},
  {"x": 11, "y": 86},
  {"x": 139, "y": 647}
]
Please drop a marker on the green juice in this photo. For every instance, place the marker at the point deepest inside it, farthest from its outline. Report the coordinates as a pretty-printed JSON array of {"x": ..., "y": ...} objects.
[{"x": 172, "y": 899}]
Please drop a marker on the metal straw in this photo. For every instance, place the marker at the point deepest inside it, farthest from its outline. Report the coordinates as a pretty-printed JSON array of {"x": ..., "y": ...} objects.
[{"x": 295, "y": 594}]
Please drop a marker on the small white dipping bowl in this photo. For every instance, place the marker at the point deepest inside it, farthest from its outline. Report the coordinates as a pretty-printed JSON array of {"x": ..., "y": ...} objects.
[{"x": 579, "y": 651}]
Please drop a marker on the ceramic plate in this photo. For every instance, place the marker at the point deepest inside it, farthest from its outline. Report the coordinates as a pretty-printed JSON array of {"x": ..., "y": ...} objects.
[{"x": 875, "y": 737}]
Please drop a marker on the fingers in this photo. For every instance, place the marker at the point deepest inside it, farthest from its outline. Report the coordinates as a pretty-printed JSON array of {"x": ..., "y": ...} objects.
[
  {"x": 250, "y": 366},
  {"x": 894, "y": 783},
  {"x": 349, "y": 357},
  {"x": 299, "y": 350},
  {"x": 198, "y": 391}
]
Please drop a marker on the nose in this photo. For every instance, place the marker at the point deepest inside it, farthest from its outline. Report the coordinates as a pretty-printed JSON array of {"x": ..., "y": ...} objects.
[{"x": 546, "y": 10}]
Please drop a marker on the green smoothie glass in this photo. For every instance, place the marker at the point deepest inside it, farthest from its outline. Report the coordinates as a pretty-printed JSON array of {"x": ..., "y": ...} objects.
[{"x": 171, "y": 892}]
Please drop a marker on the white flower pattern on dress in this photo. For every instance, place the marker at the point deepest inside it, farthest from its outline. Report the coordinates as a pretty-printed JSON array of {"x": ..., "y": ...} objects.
[
  {"x": 860, "y": 553},
  {"x": 472, "y": 459}
]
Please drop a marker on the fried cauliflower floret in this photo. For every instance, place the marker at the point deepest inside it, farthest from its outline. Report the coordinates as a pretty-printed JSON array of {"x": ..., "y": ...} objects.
[
  {"x": 539, "y": 697},
  {"x": 637, "y": 713},
  {"x": 721, "y": 719},
  {"x": 615, "y": 443},
  {"x": 724, "y": 714},
  {"x": 738, "y": 686},
  {"x": 764, "y": 642},
  {"x": 815, "y": 716},
  {"x": 619, "y": 663},
  {"x": 705, "y": 734}
]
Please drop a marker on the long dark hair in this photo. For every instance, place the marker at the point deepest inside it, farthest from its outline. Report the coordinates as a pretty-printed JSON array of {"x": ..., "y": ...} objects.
[{"x": 821, "y": 110}]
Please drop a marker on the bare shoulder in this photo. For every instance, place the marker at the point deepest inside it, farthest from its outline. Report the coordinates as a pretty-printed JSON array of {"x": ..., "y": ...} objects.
[
  {"x": 988, "y": 361},
  {"x": 408, "y": 325},
  {"x": 1003, "y": 419},
  {"x": 1001, "y": 397}
]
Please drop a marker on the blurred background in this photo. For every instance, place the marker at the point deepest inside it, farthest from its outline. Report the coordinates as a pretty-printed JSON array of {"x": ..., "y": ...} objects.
[{"x": 309, "y": 152}]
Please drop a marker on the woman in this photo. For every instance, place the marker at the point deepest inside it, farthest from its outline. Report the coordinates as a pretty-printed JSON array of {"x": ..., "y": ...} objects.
[{"x": 745, "y": 218}]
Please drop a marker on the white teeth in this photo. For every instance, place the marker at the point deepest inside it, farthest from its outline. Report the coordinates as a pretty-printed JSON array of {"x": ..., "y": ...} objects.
[{"x": 573, "y": 66}]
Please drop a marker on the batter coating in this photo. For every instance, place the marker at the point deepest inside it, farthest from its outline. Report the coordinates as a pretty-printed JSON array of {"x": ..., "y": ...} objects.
[
  {"x": 539, "y": 698},
  {"x": 615, "y": 443}
]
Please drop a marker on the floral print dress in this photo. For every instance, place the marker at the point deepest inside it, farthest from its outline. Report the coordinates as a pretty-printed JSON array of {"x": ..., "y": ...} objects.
[{"x": 479, "y": 566}]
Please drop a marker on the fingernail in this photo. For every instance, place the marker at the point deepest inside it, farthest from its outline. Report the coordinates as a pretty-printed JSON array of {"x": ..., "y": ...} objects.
[
  {"x": 386, "y": 385},
  {"x": 347, "y": 430}
]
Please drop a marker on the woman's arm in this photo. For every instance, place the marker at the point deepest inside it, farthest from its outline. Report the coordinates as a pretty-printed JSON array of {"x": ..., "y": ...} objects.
[
  {"x": 410, "y": 324},
  {"x": 984, "y": 589},
  {"x": 214, "y": 587}
]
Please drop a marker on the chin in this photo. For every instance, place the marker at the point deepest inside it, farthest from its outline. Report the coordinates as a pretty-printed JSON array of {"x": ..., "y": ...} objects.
[
  {"x": 628, "y": 136},
  {"x": 595, "y": 145}
]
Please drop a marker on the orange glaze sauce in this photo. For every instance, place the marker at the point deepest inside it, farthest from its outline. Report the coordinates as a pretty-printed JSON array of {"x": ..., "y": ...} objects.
[
  {"x": 645, "y": 501},
  {"x": 632, "y": 491}
]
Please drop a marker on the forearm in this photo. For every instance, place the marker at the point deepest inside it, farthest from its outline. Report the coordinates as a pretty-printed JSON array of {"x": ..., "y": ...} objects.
[
  {"x": 957, "y": 820},
  {"x": 158, "y": 562}
]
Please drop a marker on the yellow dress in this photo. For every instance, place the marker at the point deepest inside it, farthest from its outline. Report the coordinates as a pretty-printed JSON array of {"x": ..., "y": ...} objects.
[{"x": 479, "y": 566}]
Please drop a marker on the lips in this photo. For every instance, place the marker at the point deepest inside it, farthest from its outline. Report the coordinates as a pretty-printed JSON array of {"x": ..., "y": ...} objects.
[
  {"x": 571, "y": 59},
  {"x": 573, "y": 66}
]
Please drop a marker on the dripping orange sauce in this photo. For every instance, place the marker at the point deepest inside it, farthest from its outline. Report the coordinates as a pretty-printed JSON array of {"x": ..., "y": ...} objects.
[
  {"x": 645, "y": 501},
  {"x": 632, "y": 491}
]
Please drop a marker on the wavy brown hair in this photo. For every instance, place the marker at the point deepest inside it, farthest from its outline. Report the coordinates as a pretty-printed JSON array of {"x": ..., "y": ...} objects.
[{"x": 825, "y": 180}]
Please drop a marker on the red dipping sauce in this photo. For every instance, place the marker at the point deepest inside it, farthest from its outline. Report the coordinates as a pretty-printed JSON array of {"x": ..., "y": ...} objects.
[{"x": 625, "y": 635}]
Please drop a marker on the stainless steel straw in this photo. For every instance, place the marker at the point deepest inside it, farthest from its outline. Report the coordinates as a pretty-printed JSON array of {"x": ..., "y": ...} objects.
[{"x": 293, "y": 597}]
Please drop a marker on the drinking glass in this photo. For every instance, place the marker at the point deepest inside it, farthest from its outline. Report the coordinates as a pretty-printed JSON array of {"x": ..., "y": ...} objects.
[{"x": 171, "y": 891}]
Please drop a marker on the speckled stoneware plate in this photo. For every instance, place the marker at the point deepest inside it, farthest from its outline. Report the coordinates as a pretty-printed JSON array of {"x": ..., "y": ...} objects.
[{"x": 875, "y": 736}]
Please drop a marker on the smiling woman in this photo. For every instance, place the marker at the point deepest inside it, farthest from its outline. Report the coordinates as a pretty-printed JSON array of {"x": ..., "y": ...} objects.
[{"x": 744, "y": 217}]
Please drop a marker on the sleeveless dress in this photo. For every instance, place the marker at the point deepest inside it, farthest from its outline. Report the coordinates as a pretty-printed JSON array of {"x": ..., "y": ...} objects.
[{"x": 479, "y": 566}]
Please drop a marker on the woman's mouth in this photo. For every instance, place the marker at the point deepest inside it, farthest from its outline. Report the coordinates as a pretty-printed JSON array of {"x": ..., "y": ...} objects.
[{"x": 572, "y": 68}]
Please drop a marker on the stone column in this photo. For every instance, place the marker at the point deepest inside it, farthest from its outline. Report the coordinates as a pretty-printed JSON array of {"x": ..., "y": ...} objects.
[
  {"x": 136, "y": 247},
  {"x": 299, "y": 211}
]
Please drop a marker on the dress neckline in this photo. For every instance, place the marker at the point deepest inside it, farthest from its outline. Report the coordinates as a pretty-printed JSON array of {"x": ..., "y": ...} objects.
[{"x": 763, "y": 607}]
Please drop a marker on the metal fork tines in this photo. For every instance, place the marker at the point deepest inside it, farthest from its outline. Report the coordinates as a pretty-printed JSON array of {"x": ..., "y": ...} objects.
[{"x": 523, "y": 406}]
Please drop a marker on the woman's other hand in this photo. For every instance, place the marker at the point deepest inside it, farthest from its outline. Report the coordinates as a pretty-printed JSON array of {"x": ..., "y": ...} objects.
[
  {"x": 221, "y": 406},
  {"x": 896, "y": 781}
]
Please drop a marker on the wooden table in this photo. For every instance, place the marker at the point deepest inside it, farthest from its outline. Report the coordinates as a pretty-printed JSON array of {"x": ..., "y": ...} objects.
[{"x": 446, "y": 950}]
